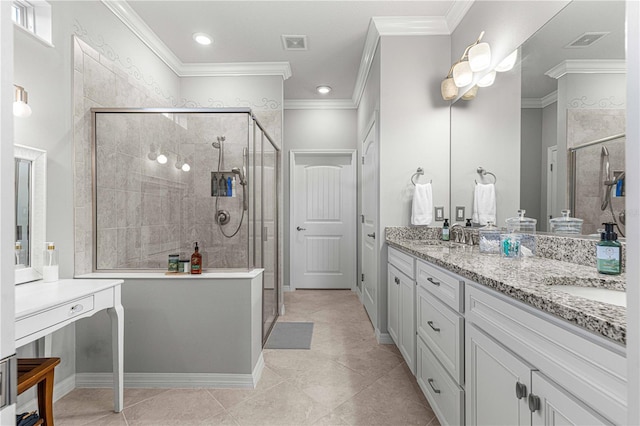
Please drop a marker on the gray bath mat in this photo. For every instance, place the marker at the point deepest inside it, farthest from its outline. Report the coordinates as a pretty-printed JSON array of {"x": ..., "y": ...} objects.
[{"x": 290, "y": 335}]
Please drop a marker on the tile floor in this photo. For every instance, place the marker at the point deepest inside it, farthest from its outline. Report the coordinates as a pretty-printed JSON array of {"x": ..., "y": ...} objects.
[{"x": 346, "y": 378}]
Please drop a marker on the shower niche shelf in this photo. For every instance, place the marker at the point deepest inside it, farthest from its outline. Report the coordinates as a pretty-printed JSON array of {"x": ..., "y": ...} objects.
[{"x": 219, "y": 183}]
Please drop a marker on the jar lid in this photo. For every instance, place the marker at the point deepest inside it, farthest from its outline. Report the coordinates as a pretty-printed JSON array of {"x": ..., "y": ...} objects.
[{"x": 49, "y": 245}]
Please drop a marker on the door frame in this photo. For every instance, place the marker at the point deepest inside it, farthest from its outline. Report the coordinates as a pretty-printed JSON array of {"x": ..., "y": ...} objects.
[
  {"x": 352, "y": 153},
  {"x": 552, "y": 189}
]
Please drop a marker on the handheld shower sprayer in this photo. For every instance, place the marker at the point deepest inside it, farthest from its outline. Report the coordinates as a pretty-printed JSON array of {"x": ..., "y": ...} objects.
[{"x": 240, "y": 174}]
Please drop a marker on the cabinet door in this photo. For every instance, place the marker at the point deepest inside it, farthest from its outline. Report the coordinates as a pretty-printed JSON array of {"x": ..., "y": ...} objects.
[
  {"x": 407, "y": 316},
  {"x": 554, "y": 406},
  {"x": 393, "y": 292},
  {"x": 497, "y": 383}
]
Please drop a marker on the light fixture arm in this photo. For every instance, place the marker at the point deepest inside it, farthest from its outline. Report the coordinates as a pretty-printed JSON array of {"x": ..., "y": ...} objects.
[{"x": 466, "y": 51}]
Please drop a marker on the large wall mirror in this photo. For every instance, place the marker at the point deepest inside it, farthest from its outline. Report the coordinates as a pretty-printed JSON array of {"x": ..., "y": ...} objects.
[
  {"x": 550, "y": 133},
  {"x": 30, "y": 202}
]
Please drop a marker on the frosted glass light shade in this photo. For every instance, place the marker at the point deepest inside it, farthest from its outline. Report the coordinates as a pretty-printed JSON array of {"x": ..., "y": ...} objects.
[
  {"x": 186, "y": 167},
  {"x": 471, "y": 93},
  {"x": 508, "y": 63},
  {"x": 162, "y": 159},
  {"x": 21, "y": 109},
  {"x": 487, "y": 80},
  {"x": 449, "y": 89},
  {"x": 462, "y": 74},
  {"x": 480, "y": 57}
]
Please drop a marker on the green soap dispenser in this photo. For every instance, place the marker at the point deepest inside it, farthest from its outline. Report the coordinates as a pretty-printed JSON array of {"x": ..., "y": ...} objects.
[
  {"x": 445, "y": 230},
  {"x": 608, "y": 251}
]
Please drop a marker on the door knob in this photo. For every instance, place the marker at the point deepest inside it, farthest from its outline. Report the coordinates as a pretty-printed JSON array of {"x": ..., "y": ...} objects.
[
  {"x": 301, "y": 229},
  {"x": 372, "y": 235}
]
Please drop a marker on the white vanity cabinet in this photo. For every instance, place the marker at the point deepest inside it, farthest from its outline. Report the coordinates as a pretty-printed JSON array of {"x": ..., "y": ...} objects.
[
  {"x": 401, "y": 293},
  {"x": 589, "y": 384}
]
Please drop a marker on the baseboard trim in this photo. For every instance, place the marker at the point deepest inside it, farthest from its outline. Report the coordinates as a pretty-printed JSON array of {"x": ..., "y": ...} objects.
[
  {"x": 287, "y": 288},
  {"x": 174, "y": 380},
  {"x": 59, "y": 390},
  {"x": 384, "y": 338}
]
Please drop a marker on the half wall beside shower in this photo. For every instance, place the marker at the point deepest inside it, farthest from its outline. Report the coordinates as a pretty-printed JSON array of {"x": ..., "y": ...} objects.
[{"x": 164, "y": 179}]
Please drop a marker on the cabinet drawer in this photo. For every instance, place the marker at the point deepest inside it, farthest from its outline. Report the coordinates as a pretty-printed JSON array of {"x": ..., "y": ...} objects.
[
  {"x": 444, "y": 395},
  {"x": 448, "y": 288},
  {"x": 443, "y": 331},
  {"x": 34, "y": 323},
  {"x": 404, "y": 262}
]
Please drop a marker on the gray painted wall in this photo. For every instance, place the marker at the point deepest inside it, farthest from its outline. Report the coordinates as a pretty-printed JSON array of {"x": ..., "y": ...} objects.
[
  {"x": 313, "y": 129},
  {"x": 530, "y": 163},
  {"x": 549, "y": 139}
]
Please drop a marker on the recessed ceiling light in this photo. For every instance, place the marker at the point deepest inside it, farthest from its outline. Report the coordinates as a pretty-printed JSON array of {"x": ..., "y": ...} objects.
[
  {"x": 202, "y": 38},
  {"x": 323, "y": 90}
]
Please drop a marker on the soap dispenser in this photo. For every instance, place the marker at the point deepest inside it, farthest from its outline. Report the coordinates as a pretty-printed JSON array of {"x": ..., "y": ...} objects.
[
  {"x": 608, "y": 251},
  {"x": 196, "y": 261},
  {"x": 445, "y": 230}
]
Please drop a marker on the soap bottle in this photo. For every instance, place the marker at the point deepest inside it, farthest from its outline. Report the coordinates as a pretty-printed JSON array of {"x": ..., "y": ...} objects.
[
  {"x": 608, "y": 251},
  {"x": 196, "y": 261},
  {"x": 468, "y": 224},
  {"x": 233, "y": 187},
  {"x": 222, "y": 187},
  {"x": 229, "y": 187},
  {"x": 445, "y": 230},
  {"x": 50, "y": 263},
  {"x": 214, "y": 185}
]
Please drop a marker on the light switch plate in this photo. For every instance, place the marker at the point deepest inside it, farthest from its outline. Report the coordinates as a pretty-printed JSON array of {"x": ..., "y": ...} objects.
[
  {"x": 439, "y": 214},
  {"x": 460, "y": 214}
]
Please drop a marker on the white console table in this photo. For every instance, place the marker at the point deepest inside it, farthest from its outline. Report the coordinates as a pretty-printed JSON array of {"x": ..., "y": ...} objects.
[{"x": 42, "y": 308}]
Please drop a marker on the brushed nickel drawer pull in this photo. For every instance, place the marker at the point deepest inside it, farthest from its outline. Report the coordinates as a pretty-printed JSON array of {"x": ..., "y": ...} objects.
[
  {"x": 434, "y": 282},
  {"x": 430, "y": 381},
  {"x": 432, "y": 327},
  {"x": 76, "y": 309}
]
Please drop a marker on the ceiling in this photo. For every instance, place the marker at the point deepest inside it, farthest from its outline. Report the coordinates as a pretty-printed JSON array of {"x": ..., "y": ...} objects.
[
  {"x": 250, "y": 31},
  {"x": 545, "y": 49}
]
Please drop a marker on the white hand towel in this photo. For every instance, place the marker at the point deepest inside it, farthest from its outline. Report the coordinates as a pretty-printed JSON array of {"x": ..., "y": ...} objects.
[
  {"x": 484, "y": 203},
  {"x": 422, "y": 207}
]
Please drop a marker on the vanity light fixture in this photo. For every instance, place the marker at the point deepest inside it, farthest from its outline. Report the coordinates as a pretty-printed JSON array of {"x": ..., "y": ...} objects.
[
  {"x": 202, "y": 38},
  {"x": 162, "y": 159},
  {"x": 462, "y": 74},
  {"x": 21, "y": 107},
  {"x": 479, "y": 55},
  {"x": 448, "y": 87},
  {"x": 470, "y": 94},
  {"x": 508, "y": 63},
  {"x": 181, "y": 164},
  {"x": 323, "y": 90}
]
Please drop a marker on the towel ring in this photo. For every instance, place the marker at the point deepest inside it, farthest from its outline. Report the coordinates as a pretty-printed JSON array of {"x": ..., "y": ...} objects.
[
  {"x": 419, "y": 172},
  {"x": 482, "y": 172}
]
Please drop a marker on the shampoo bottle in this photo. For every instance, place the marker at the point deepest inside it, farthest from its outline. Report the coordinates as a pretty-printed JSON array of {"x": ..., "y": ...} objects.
[
  {"x": 608, "y": 251},
  {"x": 196, "y": 261},
  {"x": 222, "y": 187},
  {"x": 445, "y": 230},
  {"x": 214, "y": 185},
  {"x": 229, "y": 187}
]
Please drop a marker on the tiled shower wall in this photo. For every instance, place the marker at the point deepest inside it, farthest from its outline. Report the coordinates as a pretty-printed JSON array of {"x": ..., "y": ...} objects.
[
  {"x": 148, "y": 210},
  {"x": 583, "y": 126},
  {"x": 134, "y": 198}
]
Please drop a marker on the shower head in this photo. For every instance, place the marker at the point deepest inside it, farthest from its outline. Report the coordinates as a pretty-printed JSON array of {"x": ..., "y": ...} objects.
[
  {"x": 240, "y": 173},
  {"x": 218, "y": 143}
]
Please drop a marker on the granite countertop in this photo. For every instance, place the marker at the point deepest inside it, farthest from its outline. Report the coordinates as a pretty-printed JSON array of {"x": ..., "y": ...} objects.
[{"x": 528, "y": 280}]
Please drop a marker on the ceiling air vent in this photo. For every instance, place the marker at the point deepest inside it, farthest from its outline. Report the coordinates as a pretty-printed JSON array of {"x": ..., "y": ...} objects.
[
  {"x": 585, "y": 40},
  {"x": 294, "y": 42}
]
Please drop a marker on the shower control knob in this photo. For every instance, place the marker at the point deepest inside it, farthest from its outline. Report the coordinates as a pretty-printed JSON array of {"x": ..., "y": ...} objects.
[{"x": 301, "y": 229}]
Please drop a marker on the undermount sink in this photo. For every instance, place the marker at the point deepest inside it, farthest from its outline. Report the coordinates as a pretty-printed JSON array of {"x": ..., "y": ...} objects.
[{"x": 599, "y": 290}]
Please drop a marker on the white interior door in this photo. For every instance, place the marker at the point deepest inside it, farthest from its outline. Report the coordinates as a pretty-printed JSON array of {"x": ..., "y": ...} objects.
[
  {"x": 552, "y": 182},
  {"x": 369, "y": 251},
  {"x": 323, "y": 220}
]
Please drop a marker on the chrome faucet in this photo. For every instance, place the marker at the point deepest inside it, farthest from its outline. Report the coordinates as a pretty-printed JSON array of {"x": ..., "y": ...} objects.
[{"x": 457, "y": 232}]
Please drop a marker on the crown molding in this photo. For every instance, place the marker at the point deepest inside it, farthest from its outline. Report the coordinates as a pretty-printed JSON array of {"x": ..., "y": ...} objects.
[
  {"x": 123, "y": 11},
  {"x": 591, "y": 66},
  {"x": 282, "y": 69},
  {"x": 458, "y": 10},
  {"x": 366, "y": 60},
  {"x": 410, "y": 25},
  {"x": 543, "y": 102},
  {"x": 319, "y": 104}
]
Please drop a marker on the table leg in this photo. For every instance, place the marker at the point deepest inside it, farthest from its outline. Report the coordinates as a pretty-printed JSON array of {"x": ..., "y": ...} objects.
[{"x": 117, "y": 340}]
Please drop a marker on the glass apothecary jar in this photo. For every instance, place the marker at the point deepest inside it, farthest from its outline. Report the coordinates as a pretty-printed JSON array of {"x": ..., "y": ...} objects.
[
  {"x": 489, "y": 239},
  {"x": 527, "y": 227},
  {"x": 566, "y": 224}
]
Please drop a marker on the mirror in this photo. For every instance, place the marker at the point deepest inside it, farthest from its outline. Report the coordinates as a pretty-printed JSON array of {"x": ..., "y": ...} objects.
[
  {"x": 530, "y": 128},
  {"x": 30, "y": 202}
]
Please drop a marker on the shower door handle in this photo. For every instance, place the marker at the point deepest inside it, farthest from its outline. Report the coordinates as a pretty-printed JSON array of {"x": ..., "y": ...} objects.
[
  {"x": 372, "y": 235},
  {"x": 301, "y": 229}
]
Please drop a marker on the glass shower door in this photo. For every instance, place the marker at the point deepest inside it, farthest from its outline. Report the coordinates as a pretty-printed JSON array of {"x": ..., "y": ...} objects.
[{"x": 269, "y": 235}]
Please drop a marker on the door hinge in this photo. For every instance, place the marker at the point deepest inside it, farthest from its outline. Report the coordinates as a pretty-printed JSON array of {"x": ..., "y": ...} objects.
[
  {"x": 551, "y": 165},
  {"x": 362, "y": 279},
  {"x": 362, "y": 160},
  {"x": 362, "y": 218}
]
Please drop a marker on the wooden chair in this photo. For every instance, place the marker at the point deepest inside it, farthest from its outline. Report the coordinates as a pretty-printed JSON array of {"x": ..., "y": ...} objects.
[{"x": 39, "y": 371}]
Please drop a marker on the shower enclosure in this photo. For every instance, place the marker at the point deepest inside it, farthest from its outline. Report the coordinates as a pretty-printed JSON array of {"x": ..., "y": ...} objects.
[{"x": 164, "y": 179}]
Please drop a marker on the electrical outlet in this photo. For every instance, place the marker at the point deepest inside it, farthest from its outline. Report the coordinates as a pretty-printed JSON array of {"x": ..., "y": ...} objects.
[
  {"x": 460, "y": 214},
  {"x": 439, "y": 214}
]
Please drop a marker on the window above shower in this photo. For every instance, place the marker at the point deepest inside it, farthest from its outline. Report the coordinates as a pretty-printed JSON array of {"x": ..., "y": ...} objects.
[{"x": 148, "y": 205}]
